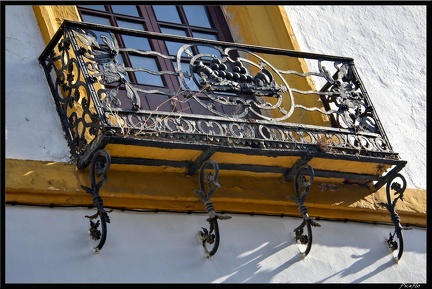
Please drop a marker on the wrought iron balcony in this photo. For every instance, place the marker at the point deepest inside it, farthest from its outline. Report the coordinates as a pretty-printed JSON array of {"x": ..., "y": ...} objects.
[
  {"x": 247, "y": 106},
  {"x": 239, "y": 105}
]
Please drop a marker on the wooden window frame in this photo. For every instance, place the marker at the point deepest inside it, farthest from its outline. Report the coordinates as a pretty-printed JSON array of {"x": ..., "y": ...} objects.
[{"x": 148, "y": 20}]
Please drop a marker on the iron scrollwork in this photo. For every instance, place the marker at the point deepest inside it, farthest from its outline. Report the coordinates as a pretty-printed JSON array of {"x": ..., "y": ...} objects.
[
  {"x": 241, "y": 88},
  {"x": 102, "y": 60},
  {"x": 232, "y": 77},
  {"x": 91, "y": 83},
  {"x": 207, "y": 236},
  {"x": 99, "y": 166},
  {"x": 300, "y": 183},
  {"x": 72, "y": 95},
  {"x": 352, "y": 109},
  {"x": 391, "y": 207}
]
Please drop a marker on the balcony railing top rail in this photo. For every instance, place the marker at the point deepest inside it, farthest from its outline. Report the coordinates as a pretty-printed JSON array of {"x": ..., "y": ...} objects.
[
  {"x": 176, "y": 38},
  {"x": 232, "y": 96}
]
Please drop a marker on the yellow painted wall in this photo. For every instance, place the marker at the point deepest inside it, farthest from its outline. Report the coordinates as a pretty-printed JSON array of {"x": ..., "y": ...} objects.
[
  {"x": 50, "y": 18},
  {"x": 268, "y": 25},
  {"x": 50, "y": 183}
]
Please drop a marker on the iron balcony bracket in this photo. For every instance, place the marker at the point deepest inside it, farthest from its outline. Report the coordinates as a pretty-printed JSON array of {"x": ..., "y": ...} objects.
[
  {"x": 295, "y": 168},
  {"x": 391, "y": 207},
  {"x": 207, "y": 236},
  {"x": 251, "y": 107},
  {"x": 300, "y": 183},
  {"x": 99, "y": 166}
]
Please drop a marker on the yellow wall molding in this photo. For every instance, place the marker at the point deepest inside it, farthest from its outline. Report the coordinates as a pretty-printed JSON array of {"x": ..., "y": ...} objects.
[
  {"x": 50, "y": 18},
  {"x": 46, "y": 183},
  {"x": 268, "y": 25}
]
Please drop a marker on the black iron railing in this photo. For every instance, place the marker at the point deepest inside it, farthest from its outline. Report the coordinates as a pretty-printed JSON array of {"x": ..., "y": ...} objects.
[{"x": 248, "y": 101}]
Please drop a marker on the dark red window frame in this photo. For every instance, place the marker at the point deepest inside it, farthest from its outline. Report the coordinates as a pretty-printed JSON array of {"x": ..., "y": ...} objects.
[{"x": 148, "y": 20}]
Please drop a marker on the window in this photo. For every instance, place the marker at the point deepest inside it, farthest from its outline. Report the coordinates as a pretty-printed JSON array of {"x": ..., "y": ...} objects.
[{"x": 206, "y": 22}]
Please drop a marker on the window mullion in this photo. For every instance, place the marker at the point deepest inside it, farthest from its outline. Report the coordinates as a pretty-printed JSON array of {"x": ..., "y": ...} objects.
[{"x": 172, "y": 80}]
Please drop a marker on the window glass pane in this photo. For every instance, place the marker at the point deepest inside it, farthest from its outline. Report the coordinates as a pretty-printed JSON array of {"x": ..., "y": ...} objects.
[
  {"x": 173, "y": 31},
  {"x": 94, "y": 7},
  {"x": 197, "y": 15},
  {"x": 205, "y": 36},
  {"x": 173, "y": 47},
  {"x": 96, "y": 20},
  {"x": 125, "y": 9},
  {"x": 121, "y": 61},
  {"x": 167, "y": 13},
  {"x": 206, "y": 49},
  {"x": 185, "y": 69},
  {"x": 147, "y": 63},
  {"x": 130, "y": 25},
  {"x": 137, "y": 42}
]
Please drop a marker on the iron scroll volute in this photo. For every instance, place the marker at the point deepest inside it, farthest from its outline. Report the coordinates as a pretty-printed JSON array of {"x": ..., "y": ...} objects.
[
  {"x": 391, "y": 207},
  {"x": 99, "y": 166},
  {"x": 300, "y": 183},
  {"x": 212, "y": 235}
]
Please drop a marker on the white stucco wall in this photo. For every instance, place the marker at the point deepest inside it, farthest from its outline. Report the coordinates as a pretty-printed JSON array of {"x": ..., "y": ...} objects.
[
  {"x": 388, "y": 44},
  {"x": 51, "y": 245},
  {"x": 32, "y": 126}
]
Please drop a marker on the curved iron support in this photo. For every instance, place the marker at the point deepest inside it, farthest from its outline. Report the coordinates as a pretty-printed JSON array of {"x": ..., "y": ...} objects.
[
  {"x": 391, "y": 207},
  {"x": 99, "y": 165},
  {"x": 300, "y": 183},
  {"x": 207, "y": 236}
]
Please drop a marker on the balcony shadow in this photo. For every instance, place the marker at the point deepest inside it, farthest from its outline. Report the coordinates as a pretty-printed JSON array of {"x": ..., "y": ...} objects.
[{"x": 365, "y": 260}]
